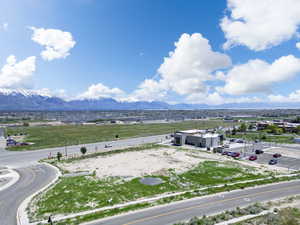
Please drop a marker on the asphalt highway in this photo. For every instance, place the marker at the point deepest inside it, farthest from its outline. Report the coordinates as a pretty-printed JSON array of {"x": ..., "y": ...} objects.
[
  {"x": 25, "y": 158},
  {"x": 184, "y": 210},
  {"x": 32, "y": 179}
]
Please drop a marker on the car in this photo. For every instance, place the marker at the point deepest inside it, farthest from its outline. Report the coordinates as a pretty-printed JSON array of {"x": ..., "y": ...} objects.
[
  {"x": 240, "y": 141},
  {"x": 235, "y": 154},
  {"x": 272, "y": 162},
  {"x": 225, "y": 153},
  {"x": 253, "y": 157},
  {"x": 108, "y": 146},
  {"x": 24, "y": 144},
  {"x": 277, "y": 155},
  {"x": 258, "y": 151},
  {"x": 232, "y": 140}
]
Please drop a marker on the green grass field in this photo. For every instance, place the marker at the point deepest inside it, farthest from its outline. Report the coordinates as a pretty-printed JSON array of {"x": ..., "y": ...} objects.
[
  {"x": 74, "y": 194},
  {"x": 55, "y": 136}
]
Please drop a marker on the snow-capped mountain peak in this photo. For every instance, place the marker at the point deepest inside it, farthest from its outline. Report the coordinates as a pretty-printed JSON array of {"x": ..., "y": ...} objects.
[{"x": 25, "y": 92}]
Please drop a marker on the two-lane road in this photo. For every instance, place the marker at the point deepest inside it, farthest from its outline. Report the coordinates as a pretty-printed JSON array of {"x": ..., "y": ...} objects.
[
  {"x": 25, "y": 158},
  {"x": 184, "y": 210},
  {"x": 32, "y": 179}
]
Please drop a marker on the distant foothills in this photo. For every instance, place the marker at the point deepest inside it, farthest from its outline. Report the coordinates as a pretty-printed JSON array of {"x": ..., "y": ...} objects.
[{"x": 23, "y": 100}]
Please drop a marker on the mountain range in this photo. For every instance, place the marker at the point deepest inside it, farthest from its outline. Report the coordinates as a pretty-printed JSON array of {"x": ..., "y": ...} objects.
[{"x": 18, "y": 100}]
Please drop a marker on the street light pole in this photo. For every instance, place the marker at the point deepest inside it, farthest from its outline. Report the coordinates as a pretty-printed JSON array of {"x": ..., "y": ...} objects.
[{"x": 66, "y": 152}]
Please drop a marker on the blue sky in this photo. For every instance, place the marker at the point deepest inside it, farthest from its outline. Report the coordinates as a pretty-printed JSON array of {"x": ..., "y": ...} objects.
[{"x": 117, "y": 45}]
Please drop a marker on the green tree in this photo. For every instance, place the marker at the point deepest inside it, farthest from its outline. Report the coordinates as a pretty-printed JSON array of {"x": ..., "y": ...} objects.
[
  {"x": 250, "y": 127},
  {"x": 233, "y": 132},
  {"x": 83, "y": 150},
  {"x": 25, "y": 124},
  {"x": 58, "y": 155},
  {"x": 243, "y": 127},
  {"x": 273, "y": 129},
  {"x": 298, "y": 129}
]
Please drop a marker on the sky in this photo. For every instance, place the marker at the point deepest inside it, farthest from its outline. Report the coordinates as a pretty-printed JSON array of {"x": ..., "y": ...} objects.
[{"x": 175, "y": 51}]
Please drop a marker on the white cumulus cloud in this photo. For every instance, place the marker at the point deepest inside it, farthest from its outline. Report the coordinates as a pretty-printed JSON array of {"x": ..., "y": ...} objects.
[
  {"x": 58, "y": 43},
  {"x": 191, "y": 64},
  {"x": 257, "y": 75},
  {"x": 148, "y": 90},
  {"x": 260, "y": 24},
  {"x": 5, "y": 26},
  {"x": 97, "y": 91},
  {"x": 185, "y": 70},
  {"x": 298, "y": 45},
  {"x": 17, "y": 74},
  {"x": 292, "y": 97}
]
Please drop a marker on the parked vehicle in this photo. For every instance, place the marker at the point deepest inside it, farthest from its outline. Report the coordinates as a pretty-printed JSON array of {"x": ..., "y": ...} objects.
[
  {"x": 225, "y": 153},
  {"x": 235, "y": 154},
  {"x": 258, "y": 151},
  {"x": 239, "y": 141},
  {"x": 253, "y": 158},
  {"x": 277, "y": 155},
  {"x": 24, "y": 144},
  {"x": 272, "y": 162}
]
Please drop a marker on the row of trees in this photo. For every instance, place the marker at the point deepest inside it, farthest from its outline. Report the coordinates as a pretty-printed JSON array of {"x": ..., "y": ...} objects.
[{"x": 271, "y": 129}]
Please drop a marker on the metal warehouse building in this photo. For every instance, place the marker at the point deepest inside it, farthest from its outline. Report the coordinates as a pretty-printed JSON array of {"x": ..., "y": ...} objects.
[{"x": 199, "y": 138}]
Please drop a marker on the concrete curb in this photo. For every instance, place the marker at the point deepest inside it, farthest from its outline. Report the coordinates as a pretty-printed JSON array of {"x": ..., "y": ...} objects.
[
  {"x": 15, "y": 177},
  {"x": 22, "y": 216},
  {"x": 172, "y": 203}
]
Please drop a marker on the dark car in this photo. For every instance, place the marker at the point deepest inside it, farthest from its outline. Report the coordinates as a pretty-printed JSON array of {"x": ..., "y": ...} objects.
[
  {"x": 272, "y": 162},
  {"x": 107, "y": 146},
  {"x": 277, "y": 155},
  {"x": 258, "y": 151},
  {"x": 235, "y": 154},
  {"x": 225, "y": 153},
  {"x": 24, "y": 144},
  {"x": 253, "y": 157},
  {"x": 240, "y": 141}
]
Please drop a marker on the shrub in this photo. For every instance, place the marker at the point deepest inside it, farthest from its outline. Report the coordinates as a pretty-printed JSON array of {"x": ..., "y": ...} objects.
[
  {"x": 83, "y": 150},
  {"x": 58, "y": 155}
]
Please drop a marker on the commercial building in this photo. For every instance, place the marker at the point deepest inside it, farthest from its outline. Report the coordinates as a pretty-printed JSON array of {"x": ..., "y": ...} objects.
[{"x": 198, "y": 138}]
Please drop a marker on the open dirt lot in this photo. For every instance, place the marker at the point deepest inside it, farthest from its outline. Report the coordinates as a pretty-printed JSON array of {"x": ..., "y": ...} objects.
[
  {"x": 148, "y": 162},
  {"x": 136, "y": 164}
]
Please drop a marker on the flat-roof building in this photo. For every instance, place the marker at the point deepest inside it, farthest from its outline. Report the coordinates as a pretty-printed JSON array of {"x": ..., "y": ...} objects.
[{"x": 198, "y": 138}]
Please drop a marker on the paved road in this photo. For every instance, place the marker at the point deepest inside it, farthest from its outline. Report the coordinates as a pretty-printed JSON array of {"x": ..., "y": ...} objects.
[
  {"x": 34, "y": 176},
  {"x": 170, "y": 214},
  {"x": 31, "y": 180},
  {"x": 24, "y": 158}
]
